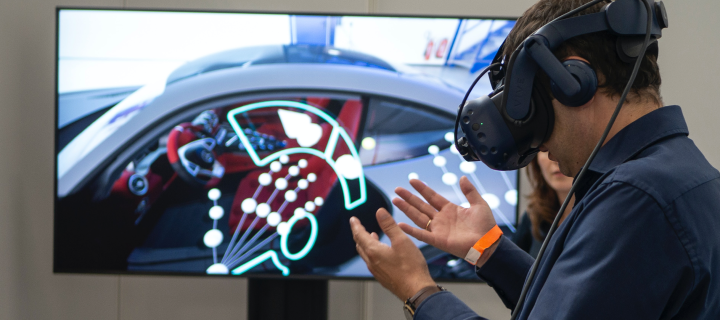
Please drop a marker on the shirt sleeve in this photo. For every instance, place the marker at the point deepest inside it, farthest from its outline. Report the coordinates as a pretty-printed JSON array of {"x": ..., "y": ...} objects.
[
  {"x": 619, "y": 259},
  {"x": 506, "y": 270},
  {"x": 444, "y": 305}
]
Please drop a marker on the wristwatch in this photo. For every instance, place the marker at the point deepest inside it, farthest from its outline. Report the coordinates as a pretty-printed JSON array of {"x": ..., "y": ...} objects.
[{"x": 411, "y": 304}]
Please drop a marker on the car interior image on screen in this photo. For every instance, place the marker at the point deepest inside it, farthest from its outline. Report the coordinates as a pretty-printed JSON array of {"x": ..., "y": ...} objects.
[{"x": 242, "y": 143}]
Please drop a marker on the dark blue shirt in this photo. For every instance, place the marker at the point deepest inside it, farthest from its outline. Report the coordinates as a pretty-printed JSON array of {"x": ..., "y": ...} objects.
[{"x": 642, "y": 242}]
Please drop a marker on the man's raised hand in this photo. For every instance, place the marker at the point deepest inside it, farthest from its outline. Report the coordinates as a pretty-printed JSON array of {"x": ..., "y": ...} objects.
[
  {"x": 453, "y": 229},
  {"x": 401, "y": 267}
]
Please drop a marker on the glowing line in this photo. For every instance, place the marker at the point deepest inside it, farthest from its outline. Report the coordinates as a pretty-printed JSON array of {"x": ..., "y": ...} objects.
[
  {"x": 235, "y": 234},
  {"x": 502, "y": 216},
  {"x": 458, "y": 193},
  {"x": 272, "y": 196},
  {"x": 270, "y": 254},
  {"x": 507, "y": 180},
  {"x": 251, "y": 241},
  {"x": 253, "y": 250},
  {"x": 257, "y": 192},
  {"x": 311, "y": 242},
  {"x": 477, "y": 182},
  {"x": 214, "y": 255},
  {"x": 244, "y": 236},
  {"x": 231, "y": 141}
]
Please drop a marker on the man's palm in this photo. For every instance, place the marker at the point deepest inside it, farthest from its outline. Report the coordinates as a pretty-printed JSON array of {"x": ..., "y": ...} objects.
[{"x": 453, "y": 229}]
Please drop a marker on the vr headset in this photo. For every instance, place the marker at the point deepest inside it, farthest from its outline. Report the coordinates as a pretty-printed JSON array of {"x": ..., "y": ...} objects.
[{"x": 505, "y": 128}]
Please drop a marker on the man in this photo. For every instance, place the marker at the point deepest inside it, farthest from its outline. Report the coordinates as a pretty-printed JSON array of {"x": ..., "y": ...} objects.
[{"x": 642, "y": 240}]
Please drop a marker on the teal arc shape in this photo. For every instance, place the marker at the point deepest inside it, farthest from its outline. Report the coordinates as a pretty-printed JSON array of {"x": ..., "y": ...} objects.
[{"x": 337, "y": 133}]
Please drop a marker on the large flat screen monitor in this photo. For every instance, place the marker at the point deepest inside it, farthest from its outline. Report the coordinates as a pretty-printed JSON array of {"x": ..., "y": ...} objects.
[{"x": 241, "y": 143}]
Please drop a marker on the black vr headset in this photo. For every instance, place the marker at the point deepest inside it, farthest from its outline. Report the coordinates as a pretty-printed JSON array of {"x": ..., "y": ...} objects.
[{"x": 505, "y": 128}]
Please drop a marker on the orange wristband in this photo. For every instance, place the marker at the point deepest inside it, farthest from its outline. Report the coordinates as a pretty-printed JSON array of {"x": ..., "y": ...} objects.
[{"x": 485, "y": 242}]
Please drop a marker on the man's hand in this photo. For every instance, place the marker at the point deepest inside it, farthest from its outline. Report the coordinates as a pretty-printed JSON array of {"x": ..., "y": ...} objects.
[
  {"x": 400, "y": 268},
  {"x": 453, "y": 229}
]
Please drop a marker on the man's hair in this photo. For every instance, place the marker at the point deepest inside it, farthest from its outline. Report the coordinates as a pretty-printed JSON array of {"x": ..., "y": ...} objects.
[{"x": 598, "y": 48}]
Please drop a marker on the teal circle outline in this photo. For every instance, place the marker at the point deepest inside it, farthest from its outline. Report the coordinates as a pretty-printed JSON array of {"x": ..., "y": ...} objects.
[{"x": 311, "y": 242}]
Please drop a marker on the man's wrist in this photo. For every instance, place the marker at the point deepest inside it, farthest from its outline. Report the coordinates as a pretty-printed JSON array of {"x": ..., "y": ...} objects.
[
  {"x": 487, "y": 254},
  {"x": 415, "y": 288}
]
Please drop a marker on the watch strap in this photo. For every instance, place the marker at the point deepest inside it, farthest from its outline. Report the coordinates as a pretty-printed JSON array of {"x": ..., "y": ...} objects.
[{"x": 425, "y": 295}]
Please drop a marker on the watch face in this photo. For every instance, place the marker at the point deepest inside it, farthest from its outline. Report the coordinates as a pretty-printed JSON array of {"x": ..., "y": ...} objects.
[{"x": 408, "y": 312}]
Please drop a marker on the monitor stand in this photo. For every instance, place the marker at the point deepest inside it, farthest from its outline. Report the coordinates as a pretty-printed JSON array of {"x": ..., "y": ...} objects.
[{"x": 284, "y": 299}]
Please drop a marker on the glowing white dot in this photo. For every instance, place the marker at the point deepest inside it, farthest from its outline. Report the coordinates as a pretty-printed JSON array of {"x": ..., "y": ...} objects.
[
  {"x": 368, "y": 143},
  {"x": 262, "y": 210},
  {"x": 449, "y": 178},
  {"x": 302, "y": 163},
  {"x": 319, "y": 201},
  {"x": 511, "y": 197},
  {"x": 439, "y": 161},
  {"x": 218, "y": 268},
  {"x": 273, "y": 219},
  {"x": 413, "y": 175},
  {"x": 284, "y": 159},
  {"x": 465, "y": 204},
  {"x": 299, "y": 211},
  {"x": 492, "y": 200},
  {"x": 294, "y": 171},
  {"x": 349, "y": 167},
  {"x": 213, "y": 238},
  {"x": 454, "y": 150},
  {"x": 303, "y": 184},
  {"x": 309, "y": 206},
  {"x": 216, "y": 212},
  {"x": 264, "y": 179},
  {"x": 450, "y": 137},
  {"x": 214, "y": 194},
  {"x": 283, "y": 228},
  {"x": 468, "y": 167},
  {"x": 312, "y": 177},
  {"x": 248, "y": 205},
  {"x": 290, "y": 196},
  {"x": 275, "y": 166},
  {"x": 281, "y": 184},
  {"x": 433, "y": 149}
]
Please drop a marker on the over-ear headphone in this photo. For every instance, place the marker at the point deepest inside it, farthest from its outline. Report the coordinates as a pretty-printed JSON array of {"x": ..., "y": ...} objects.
[
  {"x": 505, "y": 128},
  {"x": 586, "y": 78}
]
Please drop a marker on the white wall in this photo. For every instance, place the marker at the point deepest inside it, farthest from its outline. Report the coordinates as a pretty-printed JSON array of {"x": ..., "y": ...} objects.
[{"x": 29, "y": 289}]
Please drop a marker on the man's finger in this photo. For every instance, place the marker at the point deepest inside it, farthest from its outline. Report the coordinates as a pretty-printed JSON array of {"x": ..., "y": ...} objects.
[
  {"x": 470, "y": 192},
  {"x": 419, "y": 218},
  {"x": 375, "y": 235},
  {"x": 416, "y": 202},
  {"x": 389, "y": 226},
  {"x": 362, "y": 254},
  {"x": 434, "y": 199},
  {"x": 420, "y": 234},
  {"x": 361, "y": 236}
]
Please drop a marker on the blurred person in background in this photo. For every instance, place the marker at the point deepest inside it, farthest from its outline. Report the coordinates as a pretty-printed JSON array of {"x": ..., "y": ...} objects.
[{"x": 549, "y": 189}]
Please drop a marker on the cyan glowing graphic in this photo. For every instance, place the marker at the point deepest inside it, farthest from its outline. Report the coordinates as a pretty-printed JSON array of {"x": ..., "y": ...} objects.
[
  {"x": 298, "y": 126},
  {"x": 272, "y": 255}
]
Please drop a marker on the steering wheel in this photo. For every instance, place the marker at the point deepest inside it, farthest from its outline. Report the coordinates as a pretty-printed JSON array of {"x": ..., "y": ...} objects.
[{"x": 192, "y": 156}]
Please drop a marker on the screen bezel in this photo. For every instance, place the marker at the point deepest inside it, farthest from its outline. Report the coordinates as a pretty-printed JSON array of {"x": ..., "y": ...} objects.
[{"x": 246, "y": 275}]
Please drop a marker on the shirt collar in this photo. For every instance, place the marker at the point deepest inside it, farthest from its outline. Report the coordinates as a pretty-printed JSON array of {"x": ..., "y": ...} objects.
[{"x": 637, "y": 136}]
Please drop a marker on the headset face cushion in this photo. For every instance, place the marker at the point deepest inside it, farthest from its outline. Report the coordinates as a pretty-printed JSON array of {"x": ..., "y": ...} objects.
[{"x": 585, "y": 75}]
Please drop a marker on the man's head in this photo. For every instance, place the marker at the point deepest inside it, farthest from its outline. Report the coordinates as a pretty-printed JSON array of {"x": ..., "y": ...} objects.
[{"x": 577, "y": 129}]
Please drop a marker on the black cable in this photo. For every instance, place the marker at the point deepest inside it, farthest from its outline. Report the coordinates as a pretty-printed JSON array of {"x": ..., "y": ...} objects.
[{"x": 580, "y": 176}]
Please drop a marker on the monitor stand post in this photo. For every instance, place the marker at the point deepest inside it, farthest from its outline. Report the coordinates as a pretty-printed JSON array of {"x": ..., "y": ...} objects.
[{"x": 284, "y": 299}]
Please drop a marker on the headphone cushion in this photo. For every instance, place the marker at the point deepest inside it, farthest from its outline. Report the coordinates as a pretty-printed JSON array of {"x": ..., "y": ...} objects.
[{"x": 586, "y": 76}]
